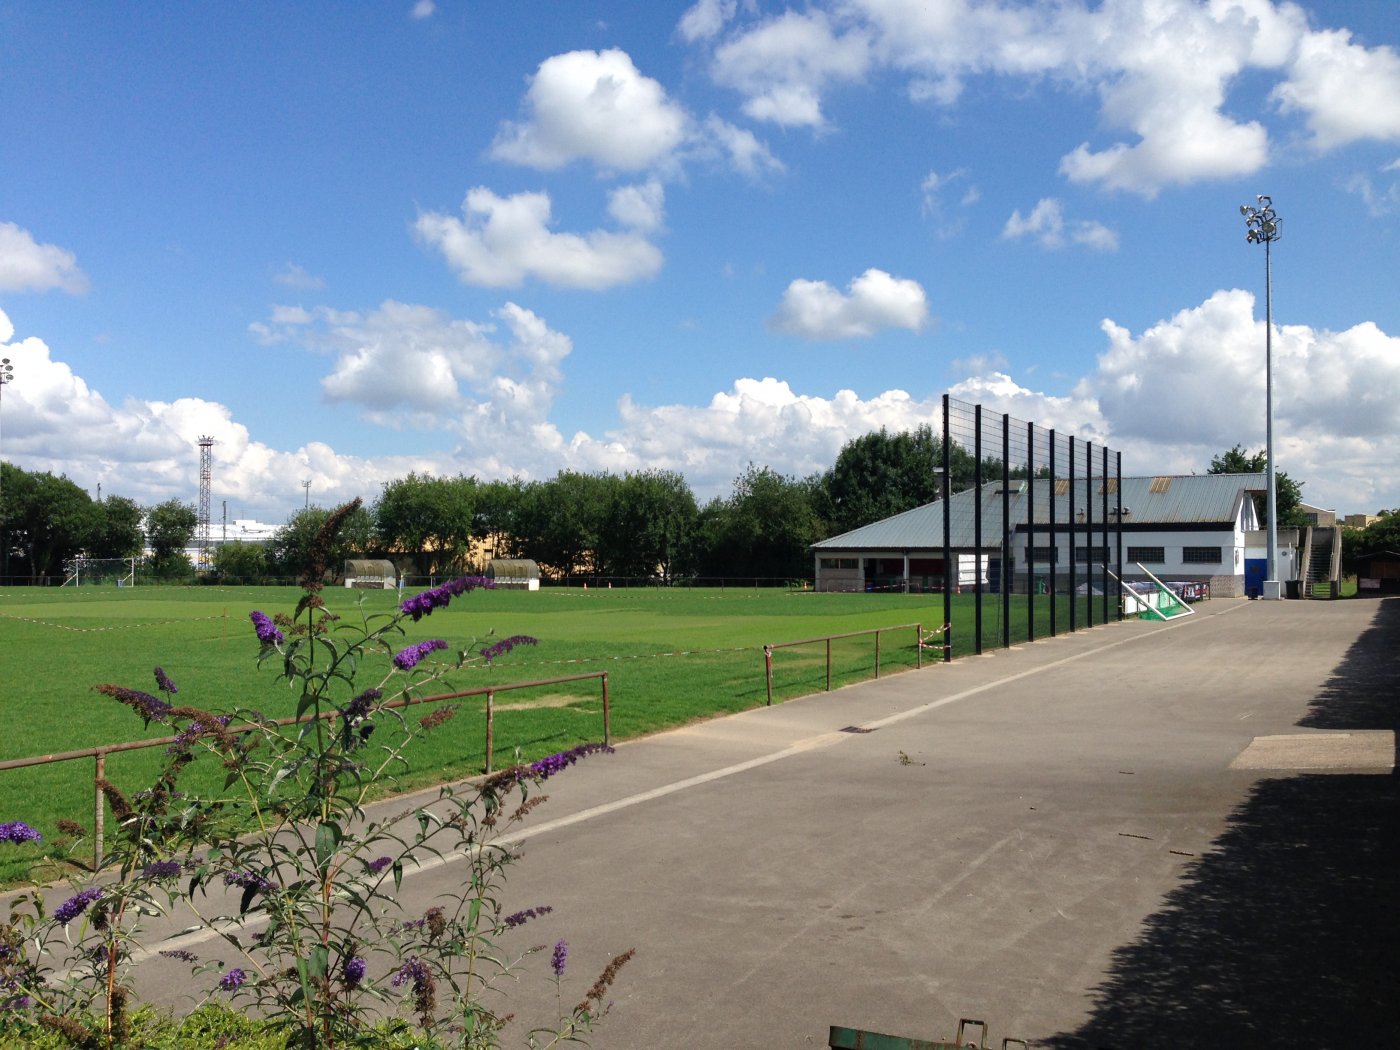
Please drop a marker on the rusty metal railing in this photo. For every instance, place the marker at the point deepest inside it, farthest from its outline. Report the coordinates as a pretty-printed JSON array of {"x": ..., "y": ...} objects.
[
  {"x": 917, "y": 628},
  {"x": 99, "y": 754}
]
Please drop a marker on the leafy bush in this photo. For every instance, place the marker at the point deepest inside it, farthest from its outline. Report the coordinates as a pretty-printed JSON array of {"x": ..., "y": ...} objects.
[{"x": 286, "y": 868}]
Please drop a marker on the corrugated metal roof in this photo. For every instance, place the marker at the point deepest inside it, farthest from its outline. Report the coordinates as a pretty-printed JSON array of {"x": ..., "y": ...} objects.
[{"x": 1187, "y": 499}]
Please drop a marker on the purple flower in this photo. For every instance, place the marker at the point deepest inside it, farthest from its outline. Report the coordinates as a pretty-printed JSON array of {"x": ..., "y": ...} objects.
[
  {"x": 559, "y": 958},
  {"x": 233, "y": 979},
  {"x": 379, "y": 864},
  {"x": 505, "y": 645},
  {"x": 75, "y": 906},
  {"x": 353, "y": 972},
  {"x": 249, "y": 880},
  {"x": 151, "y": 708},
  {"x": 421, "y": 605},
  {"x": 360, "y": 706},
  {"x": 413, "y": 970},
  {"x": 161, "y": 869},
  {"x": 268, "y": 633},
  {"x": 192, "y": 732},
  {"x": 18, "y": 831},
  {"x": 545, "y": 768},
  {"x": 408, "y": 659},
  {"x": 520, "y": 918},
  {"x": 552, "y": 764},
  {"x": 163, "y": 682}
]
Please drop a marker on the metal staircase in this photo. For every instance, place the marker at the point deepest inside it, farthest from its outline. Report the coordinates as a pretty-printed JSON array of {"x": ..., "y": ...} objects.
[{"x": 1322, "y": 562}]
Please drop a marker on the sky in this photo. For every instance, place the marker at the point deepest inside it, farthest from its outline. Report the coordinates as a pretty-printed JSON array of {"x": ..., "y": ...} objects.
[{"x": 504, "y": 239}]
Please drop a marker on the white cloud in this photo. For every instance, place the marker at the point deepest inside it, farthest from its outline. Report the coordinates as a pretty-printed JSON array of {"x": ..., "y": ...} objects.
[
  {"x": 501, "y": 242},
  {"x": 1192, "y": 386},
  {"x": 746, "y": 153},
  {"x": 784, "y": 63},
  {"x": 874, "y": 300},
  {"x": 593, "y": 105},
  {"x": 761, "y": 421},
  {"x": 1169, "y": 397},
  {"x": 423, "y": 9},
  {"x": 27, "y": 266},
  {"x": 1347, "y": 92},
  {"x": 1379, "y": 200},
  {"x": 295, "y": 276},
  {"x": 1163, "y": 71},
  {"x": 705, "y": 19},
  {"x": 933, "y": 189},
  {"x": 641, "y": 208},
  {"x": 146, "y": 450},
  {"x": 1046, "y": 223}
]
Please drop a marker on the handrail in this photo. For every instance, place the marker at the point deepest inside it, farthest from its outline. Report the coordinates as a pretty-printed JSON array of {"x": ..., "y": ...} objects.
[
  {"x": 828, "y": 639},
  {"x": 101, "y": 751}
]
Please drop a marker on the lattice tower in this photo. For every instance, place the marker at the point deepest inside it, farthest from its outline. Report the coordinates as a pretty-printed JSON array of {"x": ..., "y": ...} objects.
[{"x": 206, "y": 476}]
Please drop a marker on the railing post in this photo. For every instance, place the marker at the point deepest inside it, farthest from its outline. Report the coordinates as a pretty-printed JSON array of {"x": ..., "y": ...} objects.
[
  {"x": 99, "y": 811},
  {"x": 768, "y": 671},
  {"x": 877, "y": 654},
  {"x": 607, "y": 713},
  {"x": 828, "y": 665},
  {"x": 490, "y": 729}
]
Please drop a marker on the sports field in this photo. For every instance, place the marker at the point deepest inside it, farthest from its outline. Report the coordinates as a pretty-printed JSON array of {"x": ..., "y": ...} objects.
[{"x": 672, "y": 656}]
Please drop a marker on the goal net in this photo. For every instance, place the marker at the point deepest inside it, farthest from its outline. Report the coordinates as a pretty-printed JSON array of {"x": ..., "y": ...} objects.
[{"x": 93, "y": 572}]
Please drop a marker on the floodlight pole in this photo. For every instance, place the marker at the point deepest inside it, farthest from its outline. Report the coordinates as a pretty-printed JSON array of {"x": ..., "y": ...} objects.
[
  {"x": 1263, "y": 225},
  {"x": 7, "y": 376}
]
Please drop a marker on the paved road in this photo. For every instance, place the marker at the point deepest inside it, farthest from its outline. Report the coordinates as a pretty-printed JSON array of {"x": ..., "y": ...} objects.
[{"x": 1085, "y": 842}]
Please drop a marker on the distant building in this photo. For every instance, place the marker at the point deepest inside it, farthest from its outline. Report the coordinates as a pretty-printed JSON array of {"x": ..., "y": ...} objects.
[{"x": 1189, "y": 528}]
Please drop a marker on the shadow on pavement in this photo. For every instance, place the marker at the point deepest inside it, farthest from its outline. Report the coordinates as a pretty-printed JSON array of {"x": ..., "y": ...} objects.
[{"x": 1286, "y": 933}]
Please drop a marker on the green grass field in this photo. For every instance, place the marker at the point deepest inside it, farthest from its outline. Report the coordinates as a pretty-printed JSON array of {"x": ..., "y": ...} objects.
[{"x": 672, "y": 656}]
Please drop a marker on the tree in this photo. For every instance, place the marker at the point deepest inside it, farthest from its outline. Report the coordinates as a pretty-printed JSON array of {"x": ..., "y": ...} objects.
[
  {"x": 120, "y": 534},
  {"x": 1288, "y": 494},
  {"x": 763, "y": 530},
  {"x": 47, "y": 521},
  {"x": 650, "y": 526},
  {"x": 880, "y": 474},
  {"x": 169, "y": 528},
  {"x": 429, "y": 519},
  {"x": 289, "y": 550},
  {"x": 239, "y": 562},
  {"x": 559, "y": 522},
  {"x": 493, "y": 517}
]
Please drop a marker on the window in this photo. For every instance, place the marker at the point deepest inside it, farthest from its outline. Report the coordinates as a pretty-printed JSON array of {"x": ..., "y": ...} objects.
[
  {"x": 1201, "y": 555},
  {"x": 1150, "y": 555},
  {"x": 1091, "y": 555},
  {"x": 1045, "y": 555},
  {"x": 840, "y": 563}
]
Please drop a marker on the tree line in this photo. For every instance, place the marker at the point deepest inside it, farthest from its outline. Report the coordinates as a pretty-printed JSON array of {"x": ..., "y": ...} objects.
[{"x": 639, "y": 525}]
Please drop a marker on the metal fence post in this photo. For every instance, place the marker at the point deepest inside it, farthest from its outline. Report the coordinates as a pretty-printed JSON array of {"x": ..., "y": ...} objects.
[
  {"x": 99, "y": 810},
  {"x": 490, "y": 728}
]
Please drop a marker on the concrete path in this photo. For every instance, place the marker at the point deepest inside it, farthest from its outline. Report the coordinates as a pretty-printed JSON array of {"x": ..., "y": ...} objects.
[{"x": 1085, "y": 842}]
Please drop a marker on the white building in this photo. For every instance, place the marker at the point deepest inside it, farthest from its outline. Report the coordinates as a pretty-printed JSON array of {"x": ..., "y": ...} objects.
[{"x": 1188, "y": 528}]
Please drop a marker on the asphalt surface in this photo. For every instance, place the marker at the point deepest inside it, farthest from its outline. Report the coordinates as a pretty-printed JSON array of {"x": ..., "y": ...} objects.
[{"x": 1091, "y": 841}]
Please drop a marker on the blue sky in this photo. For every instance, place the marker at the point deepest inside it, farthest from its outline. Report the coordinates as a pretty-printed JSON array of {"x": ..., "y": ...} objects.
[{"x": 349, "y": 241}]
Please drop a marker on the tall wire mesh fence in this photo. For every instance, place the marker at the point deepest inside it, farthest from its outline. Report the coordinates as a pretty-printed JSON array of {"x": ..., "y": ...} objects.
[{"x": 1030, "y": 529}]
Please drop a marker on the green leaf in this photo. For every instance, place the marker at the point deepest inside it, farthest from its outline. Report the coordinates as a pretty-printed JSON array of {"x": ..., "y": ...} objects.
[
  {"x": 303, "y": 976},
  {"x": 318, "y": 961},
  {"x": 328, "y": 837},
  {"x": 398, "y": 874},
  {"x": 307, "y": 701}
]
